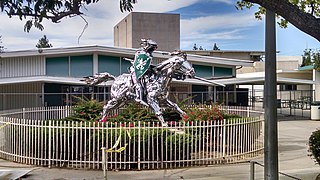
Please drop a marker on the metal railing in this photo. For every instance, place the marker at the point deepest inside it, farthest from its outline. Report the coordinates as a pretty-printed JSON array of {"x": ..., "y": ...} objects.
[
  {"x": 290, "y": 103},
  {"x": 32, "y": 136}
]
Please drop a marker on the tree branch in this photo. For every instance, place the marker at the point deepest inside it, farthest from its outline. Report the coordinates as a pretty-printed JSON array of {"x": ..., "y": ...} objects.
[
  {"x": 53, "y": 18},
  {"x": 304, "y": 21}
]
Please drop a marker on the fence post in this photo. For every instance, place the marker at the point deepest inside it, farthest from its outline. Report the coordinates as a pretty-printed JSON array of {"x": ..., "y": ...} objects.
[
  {"x": 23, "y": 113},
  {"x": 248, "y": 111},
  {"x": 224, "y": 138},
  {"x": 252, "y": 170},
  {"x": 139, "y": 145},
  {"x": 104, "y": 164},
  {"x": 66, "y": 111},
  {"x": 50, "y": 144}
]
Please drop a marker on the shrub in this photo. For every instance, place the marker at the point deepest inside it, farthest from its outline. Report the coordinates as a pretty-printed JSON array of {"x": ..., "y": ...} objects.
[
  {"x": 86, "y": 110},
  {"x": 314, "y": 145},
  {"x": 170, "y": 114},
  {"x": 203, "y": 113},
  {"x": 90, "y": 110},
  {"x": 132, "y": 113}
]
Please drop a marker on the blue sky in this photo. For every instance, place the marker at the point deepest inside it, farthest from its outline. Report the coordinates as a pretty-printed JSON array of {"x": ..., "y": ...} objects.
[{"x": 203, "y": 22}]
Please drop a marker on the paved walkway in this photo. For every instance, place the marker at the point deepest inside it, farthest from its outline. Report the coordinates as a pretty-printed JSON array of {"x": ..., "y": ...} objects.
[{"x": 293, "y": 160}]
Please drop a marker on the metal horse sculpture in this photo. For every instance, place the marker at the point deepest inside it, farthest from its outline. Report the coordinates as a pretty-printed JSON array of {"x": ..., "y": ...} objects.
[{"x": 156, "y": 81}]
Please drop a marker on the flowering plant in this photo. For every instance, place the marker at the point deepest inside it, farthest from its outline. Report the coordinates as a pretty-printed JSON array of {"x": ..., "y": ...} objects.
[
  {"x": 87, "y": 110},
  {"x": 203, "y": 113}
]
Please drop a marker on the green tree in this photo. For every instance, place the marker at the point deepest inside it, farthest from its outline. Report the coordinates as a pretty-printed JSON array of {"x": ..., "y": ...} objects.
[
  {"x": 44, "y": 43},
  {"x": 303, "y": 14},
  {"x": 34, "y": 11},
  {"x": 316, "y": 59},
  {"x": 306, "y": 58},
  {"x": 195, "y": 47},
  {"x": 311, "y": 57},
  {"x": 215, "y": 47}
]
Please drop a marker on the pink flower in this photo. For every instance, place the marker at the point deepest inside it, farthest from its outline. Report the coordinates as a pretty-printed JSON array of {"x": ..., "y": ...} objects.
[
  {"x": 103, "y": 120},
  {"x": 172, "y": 123}
]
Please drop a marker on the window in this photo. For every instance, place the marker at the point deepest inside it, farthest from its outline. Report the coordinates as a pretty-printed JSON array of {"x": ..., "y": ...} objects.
[
  {"x": 57, "y": 66},
  {"x": 288, "y": 87},
  {"x": 81, "y": 66},
  {"x": 222, "y": 72},
  {"x": 203, "y": 71},
  {"x": 125, "y": 65},
  {"x": 109, "y": 64}
]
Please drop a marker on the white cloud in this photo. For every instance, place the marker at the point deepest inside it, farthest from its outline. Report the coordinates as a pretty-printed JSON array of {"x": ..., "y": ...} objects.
[
  {"x": 227, "y": 21},
  {"x": 224, "y": 1},
  {"x": 162, "y": 5},
  {"x": 101, "y": 17},
  {"x": 211, "y": 29}
]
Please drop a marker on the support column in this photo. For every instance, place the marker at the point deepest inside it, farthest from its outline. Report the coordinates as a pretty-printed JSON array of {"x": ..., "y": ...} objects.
[
  {"x": 270, "y": 97},
  {"x": 215, "y": 94},
  {"x": 316, "y": 87},
  {"x": 210, "y": 93}
]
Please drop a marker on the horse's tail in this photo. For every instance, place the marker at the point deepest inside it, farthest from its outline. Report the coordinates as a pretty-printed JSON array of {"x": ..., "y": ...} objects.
[{"x": 98, "y": 78}]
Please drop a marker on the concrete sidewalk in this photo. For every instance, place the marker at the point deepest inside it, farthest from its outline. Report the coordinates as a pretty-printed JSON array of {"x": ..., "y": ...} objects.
[{"x": 293, "y": 160}]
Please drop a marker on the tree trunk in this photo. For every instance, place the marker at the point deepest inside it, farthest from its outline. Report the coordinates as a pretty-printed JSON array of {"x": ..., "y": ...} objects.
[{"x": 302, "y": 20}]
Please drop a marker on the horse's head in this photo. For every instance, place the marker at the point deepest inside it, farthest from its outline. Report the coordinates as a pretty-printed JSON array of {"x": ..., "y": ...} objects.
[{"x": 182, "y": 67}]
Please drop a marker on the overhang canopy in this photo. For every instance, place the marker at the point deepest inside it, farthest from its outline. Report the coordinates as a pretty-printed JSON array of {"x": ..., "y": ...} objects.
[
  {"x": 121, "y": 52},
  {"x": 77, "y": 81}
]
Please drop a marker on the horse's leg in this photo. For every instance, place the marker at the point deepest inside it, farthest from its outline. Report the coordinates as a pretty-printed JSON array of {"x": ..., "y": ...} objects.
[
  {"x": 154, "y": 104},
  {"x": 177, "y": 108},
  {"x": 112, "y": 104}
]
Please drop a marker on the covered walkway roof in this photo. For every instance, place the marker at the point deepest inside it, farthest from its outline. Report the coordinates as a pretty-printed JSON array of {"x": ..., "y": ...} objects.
[{"x": 76, "y": 81}]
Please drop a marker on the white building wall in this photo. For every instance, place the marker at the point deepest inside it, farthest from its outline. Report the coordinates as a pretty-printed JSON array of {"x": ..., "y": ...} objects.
[
  {"x": 22, "y": 66},
  {"x": 14, "y": 96}
]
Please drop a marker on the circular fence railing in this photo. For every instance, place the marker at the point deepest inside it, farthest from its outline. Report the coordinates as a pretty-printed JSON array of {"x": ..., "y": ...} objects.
[{"x": 38, "y": 136}]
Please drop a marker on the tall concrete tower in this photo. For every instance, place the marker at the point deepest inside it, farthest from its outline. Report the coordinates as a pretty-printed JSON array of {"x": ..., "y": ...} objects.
[{"x": 160, "y": 27}]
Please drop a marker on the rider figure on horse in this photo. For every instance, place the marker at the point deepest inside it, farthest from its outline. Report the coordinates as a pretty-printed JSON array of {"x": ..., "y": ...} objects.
[{"x": 141, "y": 64}]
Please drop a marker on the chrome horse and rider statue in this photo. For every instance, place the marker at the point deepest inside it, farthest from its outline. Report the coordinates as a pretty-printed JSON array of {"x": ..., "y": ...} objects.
[{"x": 146, "y": 83}]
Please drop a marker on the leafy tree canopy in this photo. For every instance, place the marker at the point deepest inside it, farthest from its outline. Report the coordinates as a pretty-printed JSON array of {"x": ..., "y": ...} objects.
[
  {"x": 215, "y": 47},
  {"x": 44, "y": 43},
  {"x": 34, "y": 11},
  {"x": 303, "y": 14},
  {"x": 311, "y": 57},
  {"x": 306, "y": 57}
]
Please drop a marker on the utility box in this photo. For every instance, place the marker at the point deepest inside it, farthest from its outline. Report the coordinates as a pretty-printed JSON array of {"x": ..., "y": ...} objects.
[{"x": 315, "y": 110}]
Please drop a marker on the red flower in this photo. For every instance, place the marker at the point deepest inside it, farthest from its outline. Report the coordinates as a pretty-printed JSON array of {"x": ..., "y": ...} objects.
[
  {"x": 103, "y": 120},
  {"x": 185, "y": 117},
  {"x": 171, "y": 123}
]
